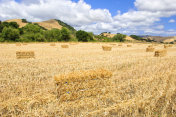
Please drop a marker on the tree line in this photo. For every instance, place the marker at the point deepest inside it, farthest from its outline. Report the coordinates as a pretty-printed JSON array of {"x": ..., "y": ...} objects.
[{"x": 32, "y": 32}]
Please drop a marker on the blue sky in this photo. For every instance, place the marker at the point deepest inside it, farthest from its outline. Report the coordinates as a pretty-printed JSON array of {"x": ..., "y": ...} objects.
[
  {"x": 112, "y": 5},
  {"x": 141, "y": 17}
]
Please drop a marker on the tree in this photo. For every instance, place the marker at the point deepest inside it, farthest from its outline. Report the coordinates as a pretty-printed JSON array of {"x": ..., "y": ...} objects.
[
  {"x": 84, "y": 36},
  {"x": 31, "y": 28},
  {"x": 53, "y": 35},
  {"x": 136, "y": 37},
  {"x": 10, "y": 34},
  {"x": 39, "y": 37},
  {"x": 24, "y": 21},
  {"x": 119, "y": 37},
  {"x": 65, "y": 34},
  {"x": 1, "y": 28},
  {"x": 14, "y": 25}
]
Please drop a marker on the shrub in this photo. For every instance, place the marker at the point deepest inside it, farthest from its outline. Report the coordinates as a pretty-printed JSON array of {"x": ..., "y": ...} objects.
[
  {"x": 24, "y": 21},
  {"x": 53, "y": 35},
  {"x": 83, "y": 36},
  {"x": 119, "y": 37},
  {"x": 65, "y": 34},
  {"x": 10, "y": 34},
  {"x": 136, "y": 37},
  {"x": 31, "y": 28}
]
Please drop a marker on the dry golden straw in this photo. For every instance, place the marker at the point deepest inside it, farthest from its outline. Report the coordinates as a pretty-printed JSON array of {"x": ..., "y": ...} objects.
[
  {"x": 160, "y": 53},
  {"x": 107, "y": 48},
  {"x": 25, "y": 54},
  {"x": 64, "y": 46}
]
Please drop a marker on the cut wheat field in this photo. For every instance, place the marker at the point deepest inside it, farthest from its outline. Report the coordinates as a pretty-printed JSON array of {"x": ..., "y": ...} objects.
[{"x": 83, "y": 80}]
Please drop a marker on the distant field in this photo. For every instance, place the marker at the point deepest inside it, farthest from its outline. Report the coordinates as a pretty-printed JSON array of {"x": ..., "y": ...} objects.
[{"x": 141, "y": 84}]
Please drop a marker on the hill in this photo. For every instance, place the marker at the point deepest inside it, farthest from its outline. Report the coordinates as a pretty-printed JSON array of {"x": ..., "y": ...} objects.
[
  {"x": 18, "y": 21},
  {"x": 109, "y": 35},
  {"x": 49, "y": 24},
  {"x": 161, "y": 39}
]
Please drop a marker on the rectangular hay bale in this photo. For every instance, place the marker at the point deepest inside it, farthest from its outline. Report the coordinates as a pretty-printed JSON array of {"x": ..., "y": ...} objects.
[
  {"x": 82, "y": 84},
  {"x": 150, "y": 49},
  {"x": 18, "y": 44},
  {"x": 160, "y": 53},
  {"x": 25, "y": 54},
  {"x": 64, "y": 46},
  {"x": 129, "y": 45},
  {"x": 52, "y": 44},
  {"x": 107, "y": 48}
]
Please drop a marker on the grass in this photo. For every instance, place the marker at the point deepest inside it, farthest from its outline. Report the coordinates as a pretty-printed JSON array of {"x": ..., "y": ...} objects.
[{"x": 141, "y": 85}]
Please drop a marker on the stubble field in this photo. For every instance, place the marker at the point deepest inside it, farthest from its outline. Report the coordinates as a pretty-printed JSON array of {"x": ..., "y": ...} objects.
[{"x": 140, "y": 85}]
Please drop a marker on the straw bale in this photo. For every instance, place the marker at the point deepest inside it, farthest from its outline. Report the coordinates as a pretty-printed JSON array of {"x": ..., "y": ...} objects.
[
  {"x": 25, "y": 44},
  {"x": 25, "y": 54},
  {"x": 160, "y": 53},
  {"x": 107, "y": 48},
  {"x": 18, "y": 44},
  {"x": 150, "y": 46},
  {"x": 120, "y": 45},
  {"x": 83, "y": 84},
  {"x": 64, "y": 46},
  {"x": 150, "y": 49},
  {"x": 73, "y": 43},
  {"x": 129, "y": 45},
  {"x": 113, "y": 44},
  {"x": 52, "y": 44},
  {"x": 82, "y": 76},
  {"x": 166, "y": 46}
]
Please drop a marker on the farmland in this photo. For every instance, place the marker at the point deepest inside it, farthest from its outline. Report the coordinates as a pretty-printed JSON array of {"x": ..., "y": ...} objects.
[{"x": 140, "y": 85}]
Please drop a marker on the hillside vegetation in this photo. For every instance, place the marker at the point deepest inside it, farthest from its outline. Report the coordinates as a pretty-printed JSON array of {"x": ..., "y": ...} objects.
[{"x": 20, "y": 30}]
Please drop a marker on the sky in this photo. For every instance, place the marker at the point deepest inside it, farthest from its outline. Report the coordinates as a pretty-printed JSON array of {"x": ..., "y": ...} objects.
[{"x": 139, "y": 17}]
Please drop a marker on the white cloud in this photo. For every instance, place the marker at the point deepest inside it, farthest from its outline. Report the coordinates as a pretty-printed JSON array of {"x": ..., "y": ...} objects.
[
  {"x": 171, "y": 21},
  {"x": 82, "y": 16}
]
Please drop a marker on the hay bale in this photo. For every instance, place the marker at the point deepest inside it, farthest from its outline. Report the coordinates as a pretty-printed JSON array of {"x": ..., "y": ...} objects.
[
  {"x": 82, "y": 84},
  {"x": 25, "y": 44},
  {"x": 160, "y": 53},
  {"x": 107, "y": 48},
  {"x": 129, "y": 45},
  {"x": 64, "y": 46},
  {"x": 170, "y": 45},
  {"x": 18, "y": 44},
  {"x": 113, "y": 44},
  {"x": 150, "y": 46},
  {"x": 25, "y": 54},
  {"x": 52, "y": 44},
  {"x": 166, "y": 46},
  {"x": 73, "y": 43},
  {"x": 150, "y": 49},
  {"x": 120, "y": 45}
]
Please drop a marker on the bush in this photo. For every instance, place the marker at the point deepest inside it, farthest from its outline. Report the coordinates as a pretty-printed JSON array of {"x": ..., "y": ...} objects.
[
  {"x": 53, "y": 35},
  {"x": 31, "y": 28},
  {"x": 136, "y": 37},
  {"x": 10, "y": 34},
  {"x": 65, "y": 34},
  {"x": 27, "y": 37},
  {"x": 24, "y": 21},
  {"x": 119, "y": 37},
  {"x": 84, "y": 36},
  {"x": 39, "y": 37}
]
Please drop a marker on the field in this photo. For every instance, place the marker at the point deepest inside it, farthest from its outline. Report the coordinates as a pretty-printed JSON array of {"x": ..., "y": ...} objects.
[{"x": 141, "y": 85}]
